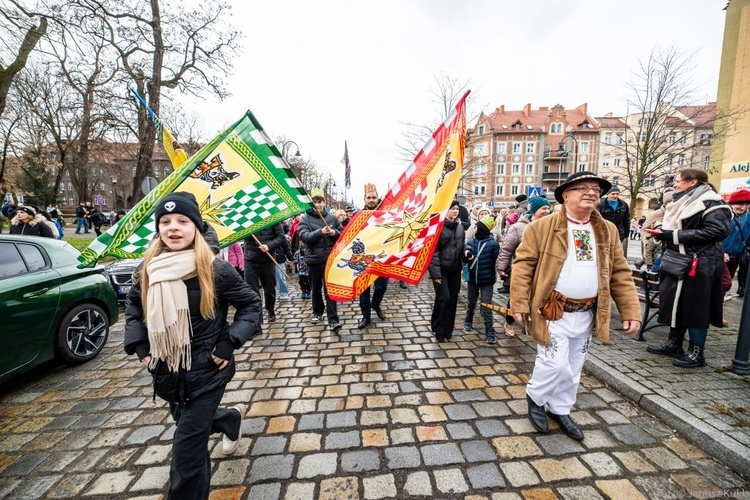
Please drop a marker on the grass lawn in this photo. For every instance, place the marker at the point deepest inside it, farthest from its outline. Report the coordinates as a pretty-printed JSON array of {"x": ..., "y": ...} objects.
[{"x": 82, "y": 243}]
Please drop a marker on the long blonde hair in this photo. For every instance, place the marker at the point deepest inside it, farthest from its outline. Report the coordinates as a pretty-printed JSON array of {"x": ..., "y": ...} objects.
[{"x": 204, "y": 267}]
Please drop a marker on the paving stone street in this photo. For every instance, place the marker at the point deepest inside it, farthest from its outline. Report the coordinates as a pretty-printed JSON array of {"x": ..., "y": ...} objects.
[{"x": 384, "y": 412}]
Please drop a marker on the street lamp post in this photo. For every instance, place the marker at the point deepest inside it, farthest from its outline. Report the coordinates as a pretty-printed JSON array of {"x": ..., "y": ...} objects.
[
  {"x": 285, "y": 149},
  {"x": 114, "y": 190}
]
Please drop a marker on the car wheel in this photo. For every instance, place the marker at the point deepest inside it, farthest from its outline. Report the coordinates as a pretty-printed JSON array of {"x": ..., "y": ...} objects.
[{"x": 82, "y": 333}]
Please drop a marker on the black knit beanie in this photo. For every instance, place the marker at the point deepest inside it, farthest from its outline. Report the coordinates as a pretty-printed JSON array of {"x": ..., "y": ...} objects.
[{"x": 179, "y": 203}]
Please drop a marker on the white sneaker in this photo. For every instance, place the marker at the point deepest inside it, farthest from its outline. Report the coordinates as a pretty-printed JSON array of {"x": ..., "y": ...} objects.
[
  {"x": 227, "y": 445},
  {"x": 729, "y": 296}
]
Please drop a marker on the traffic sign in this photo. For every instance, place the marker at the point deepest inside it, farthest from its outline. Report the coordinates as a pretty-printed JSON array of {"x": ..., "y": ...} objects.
[
  {"x": 533, "y": 191},
  {"x": 99, "y": 199},
  {"x": 491, "y": 203},
  {"x": 148, "y": 184}
]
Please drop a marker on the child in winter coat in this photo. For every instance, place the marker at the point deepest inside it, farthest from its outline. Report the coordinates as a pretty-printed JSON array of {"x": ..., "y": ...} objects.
[
  {"x": 177, "y": 323},
  {"x": 482, "y": 275}
]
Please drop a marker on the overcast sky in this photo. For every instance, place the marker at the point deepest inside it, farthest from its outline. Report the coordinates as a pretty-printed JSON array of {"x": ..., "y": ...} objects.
[{"x": 321, "y": 72}]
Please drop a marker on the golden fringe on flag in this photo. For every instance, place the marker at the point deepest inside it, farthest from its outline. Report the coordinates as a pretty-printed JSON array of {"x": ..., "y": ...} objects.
[{"x": 398, "y": 240}]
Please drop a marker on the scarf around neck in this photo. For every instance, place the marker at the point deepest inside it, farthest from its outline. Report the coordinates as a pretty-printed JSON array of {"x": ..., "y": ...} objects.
[
  {"x": 168, "y": 316},
  {"x": 679, "y": 202}
]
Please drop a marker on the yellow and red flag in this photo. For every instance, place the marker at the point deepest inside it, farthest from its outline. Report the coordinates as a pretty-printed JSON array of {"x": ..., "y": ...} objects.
[{"x": 398, "y": 239}]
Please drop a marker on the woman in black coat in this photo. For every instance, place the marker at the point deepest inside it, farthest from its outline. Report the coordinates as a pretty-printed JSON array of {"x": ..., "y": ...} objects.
[
  {"x": 29, "y": 223},
  {"x": 176, "y": 322},
  {"x": 445, "y": 273},
  {"x": 695, "y": 223}
]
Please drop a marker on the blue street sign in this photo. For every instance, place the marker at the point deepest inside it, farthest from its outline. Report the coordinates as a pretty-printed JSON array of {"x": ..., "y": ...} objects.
[
  {"x": 491, "y": 203},
  {"x": 533, "y": 191}
]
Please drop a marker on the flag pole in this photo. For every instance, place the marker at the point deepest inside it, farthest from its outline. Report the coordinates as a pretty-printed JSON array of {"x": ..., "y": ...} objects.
[{"x": 270, "y": 256}]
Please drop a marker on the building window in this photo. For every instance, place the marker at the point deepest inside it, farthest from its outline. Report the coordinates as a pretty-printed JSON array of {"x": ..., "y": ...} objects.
[
  {"x": 481, "y": 129},
  {"x": 480, "y": 150},
  {"x": 502, "y": 147},
  {"x": 480, "y": 169},
  {"x": 616, "y": 180},
  {"x": 501, "y": 169},
  {"x": 556, "y": 128},
  {"x": 683, "y": 138},
  {"x": 671, "y": 139},
  {"x": 620, "y": 140},
  {"x": 516, "y": 148},
  {"x": 681, "y": 159},
  {"x": 584, "y": 147},
  {"x": 546, "y": 169},
  {"x": 529, "y": 169},
  {"x": 670, "y": 159},
  {"x": 706, "y": 161},
  {"x": 643, "y": 121},
  {"x": 617, "y": 161},
  {"x": 479, "y": 190},
  {"x": 515, "y": 189},
  {"x": 515, "y": 169},
  {"x": 530, "y": 148},
  {"x": 582, "y": 167},
  {"x": 605, "y": 162},
  {"x": 649, "y": 181},
  {"x": 499, "y": 191},
  {"x": 608, "y": 138},
  {"x": 643, "y": 136}
]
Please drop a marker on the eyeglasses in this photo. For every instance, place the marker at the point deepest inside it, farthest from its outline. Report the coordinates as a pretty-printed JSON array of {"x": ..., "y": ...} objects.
[{"x": 586, "y": 189}]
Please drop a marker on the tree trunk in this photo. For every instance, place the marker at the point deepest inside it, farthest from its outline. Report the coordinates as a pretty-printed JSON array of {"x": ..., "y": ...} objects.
[{"x": 28, "y": 44}]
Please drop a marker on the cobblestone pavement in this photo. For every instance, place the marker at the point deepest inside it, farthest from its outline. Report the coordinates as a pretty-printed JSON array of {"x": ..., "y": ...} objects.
[{"x": 380, "y": 413}]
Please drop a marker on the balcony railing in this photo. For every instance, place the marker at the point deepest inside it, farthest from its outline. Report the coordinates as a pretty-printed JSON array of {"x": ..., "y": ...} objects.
[
  {"x": 555, "y": 153},
  {"x": 554, "y": 176}
]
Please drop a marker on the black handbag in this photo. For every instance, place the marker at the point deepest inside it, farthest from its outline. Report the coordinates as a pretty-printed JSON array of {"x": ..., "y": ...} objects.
[
  {"x": 678, "y": 264},
  {"x": 675, "y": 263}
]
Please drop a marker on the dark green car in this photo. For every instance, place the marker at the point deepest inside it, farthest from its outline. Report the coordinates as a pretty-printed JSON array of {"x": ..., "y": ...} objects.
[{"x": 48, "y": 307}]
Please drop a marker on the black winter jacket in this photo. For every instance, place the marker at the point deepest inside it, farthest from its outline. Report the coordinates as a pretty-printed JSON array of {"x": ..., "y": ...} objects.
[
  {"x": 317, "y": 245},
  {"x": 449, "y": 253},
  {"x": 35, "y": 227},
  {"x": 272, "y": 236},
  {"x": 284, "y": 252},
  {"x": 208, "y": 333},
  {"x": 619, "y": 217}
]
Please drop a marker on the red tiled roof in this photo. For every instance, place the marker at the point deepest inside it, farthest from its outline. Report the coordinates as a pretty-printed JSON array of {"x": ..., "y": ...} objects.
[
  {"x": 611, "y": 122},
  {"x": 536, "y": 118}
]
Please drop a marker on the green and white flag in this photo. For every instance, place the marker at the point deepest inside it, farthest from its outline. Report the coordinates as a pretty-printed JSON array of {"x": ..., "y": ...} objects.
[{"x": 242, "y": 185}]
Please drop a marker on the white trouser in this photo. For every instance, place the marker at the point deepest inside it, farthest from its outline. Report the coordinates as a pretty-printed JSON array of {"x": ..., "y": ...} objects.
[{"x": 557, "y": 370}]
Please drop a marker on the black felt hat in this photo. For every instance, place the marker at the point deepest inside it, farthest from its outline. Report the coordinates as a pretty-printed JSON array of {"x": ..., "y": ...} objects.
[{"x": 604, "y": 184}]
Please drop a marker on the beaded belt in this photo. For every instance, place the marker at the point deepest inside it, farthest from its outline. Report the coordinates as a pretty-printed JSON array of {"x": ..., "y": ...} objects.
[{"x": 578, "y": 305}]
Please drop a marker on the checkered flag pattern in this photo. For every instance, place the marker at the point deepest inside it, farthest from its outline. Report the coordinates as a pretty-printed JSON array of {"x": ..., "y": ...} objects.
[
  {"x": 250, "y": 206},
  {"x": 407, "y": 257},
  {"x": 139, "y": 240},
  {"x": 413, "y": 204}
]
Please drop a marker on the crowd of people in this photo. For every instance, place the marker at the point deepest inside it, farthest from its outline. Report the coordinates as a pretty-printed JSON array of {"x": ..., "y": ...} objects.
[
  {"x": 31, "y": 220},
  {"x": 562, "y": 268}
]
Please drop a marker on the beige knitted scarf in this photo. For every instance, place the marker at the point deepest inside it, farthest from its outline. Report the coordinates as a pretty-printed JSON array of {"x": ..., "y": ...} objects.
[{"x": 168, "y": 317}]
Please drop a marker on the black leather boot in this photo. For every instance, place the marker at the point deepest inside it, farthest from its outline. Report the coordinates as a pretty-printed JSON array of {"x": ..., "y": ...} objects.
[
  {"x": 693, "y": 358},
  {"x": 672, "y": 347}
]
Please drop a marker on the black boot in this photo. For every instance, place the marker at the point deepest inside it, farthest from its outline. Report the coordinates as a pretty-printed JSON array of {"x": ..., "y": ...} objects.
[
  {"x": 673, "y": 346},
  {"x": 693, "y": 358}
]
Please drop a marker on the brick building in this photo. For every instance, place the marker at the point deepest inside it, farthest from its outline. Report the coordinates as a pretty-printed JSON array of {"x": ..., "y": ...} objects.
[{"x": 512, "y": 152}]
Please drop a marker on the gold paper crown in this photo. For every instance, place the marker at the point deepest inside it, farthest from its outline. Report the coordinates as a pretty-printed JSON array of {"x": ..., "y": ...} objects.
[
  {"x": 370, "y": 188},
  {"x": 317, "y": 193},
  {"x": 489, "y": 222}
]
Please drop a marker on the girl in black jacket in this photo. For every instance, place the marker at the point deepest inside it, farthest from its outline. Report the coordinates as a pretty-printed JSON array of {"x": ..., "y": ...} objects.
[
  {"x": 445, "y": 272},
  {"x": 179, "y": 330}
]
